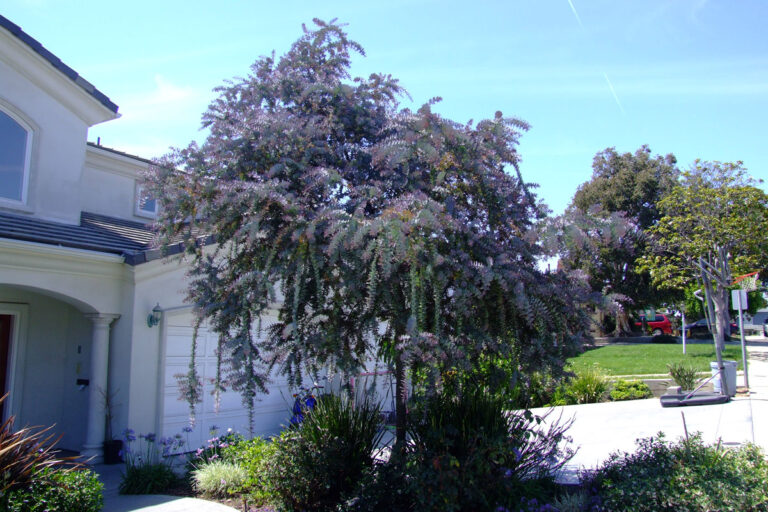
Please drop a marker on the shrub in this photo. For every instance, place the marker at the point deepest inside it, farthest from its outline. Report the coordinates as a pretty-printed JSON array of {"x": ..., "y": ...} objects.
[
  {"x": 382, "y": 488},
  {"x": 215, "y": 448},
  {"x": 24, "y": 454},
  {"x": 630, "y": 390},
  {"x": 468, "y": 453},
  {"x": 149, "y": 467},
  {"x": 219, "y": 479},
  {"x": 576, "y": 501},
  {"x": 588, "y": 387},
  {"x": 311, "y": 467},
  {"x": 60, "y": 490},
  {"x": 664, "y": 338},
  {"x": 535, "y": 390},
  {"x": 251, "y": 455},
  {"x": 684, "y": 375},
  {"x": 689, "y": 475},
  {"x": 148, "y": 479}
]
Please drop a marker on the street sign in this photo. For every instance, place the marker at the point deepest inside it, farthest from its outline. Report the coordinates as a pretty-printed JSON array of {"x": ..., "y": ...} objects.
[{"x": 739, "y": 300}]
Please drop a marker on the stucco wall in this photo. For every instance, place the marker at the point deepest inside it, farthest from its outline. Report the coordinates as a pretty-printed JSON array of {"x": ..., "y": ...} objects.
[
  {"x": 156, "y": 282},
  {"x": 58, "y": 148},
  {"x": 109, "y": 184},
  {"x": 57, "y": 353}
]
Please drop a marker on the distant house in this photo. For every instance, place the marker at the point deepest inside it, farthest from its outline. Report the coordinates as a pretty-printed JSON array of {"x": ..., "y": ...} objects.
[{"x": 79, "y": 273}]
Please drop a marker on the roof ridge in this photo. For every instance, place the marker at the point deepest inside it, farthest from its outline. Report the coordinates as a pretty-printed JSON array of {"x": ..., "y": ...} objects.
[{"x": 56, "y": 62}]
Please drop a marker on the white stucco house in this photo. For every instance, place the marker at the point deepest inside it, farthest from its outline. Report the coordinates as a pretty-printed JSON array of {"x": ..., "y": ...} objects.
[{"x": 79, "y": 274}]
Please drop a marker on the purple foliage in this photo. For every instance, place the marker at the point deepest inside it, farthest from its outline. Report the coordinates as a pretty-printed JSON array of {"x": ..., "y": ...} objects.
[{"x": 320, "y": 189}]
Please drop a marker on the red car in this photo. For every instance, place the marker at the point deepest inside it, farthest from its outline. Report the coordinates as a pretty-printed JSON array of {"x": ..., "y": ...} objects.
[{"x": 659, "y": 325}]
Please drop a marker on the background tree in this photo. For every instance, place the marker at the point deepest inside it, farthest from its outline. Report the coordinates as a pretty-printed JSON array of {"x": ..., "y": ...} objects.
[
  {"x": 629, "y": 183},
  {"x": 602, "y": 232},
  {"x": 376, "y": 232},
  {"x": 713, "y": 228}
]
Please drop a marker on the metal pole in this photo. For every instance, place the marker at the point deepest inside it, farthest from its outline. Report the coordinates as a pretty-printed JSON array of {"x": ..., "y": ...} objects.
[
  {"x": 683, "y": 332},
  {"x": 743, "y": 346}
]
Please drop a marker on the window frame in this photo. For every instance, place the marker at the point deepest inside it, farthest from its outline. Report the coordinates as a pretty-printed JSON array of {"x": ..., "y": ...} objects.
[
  {"x": 25, "y": 178},
  {"x": 140, "y": 212}
]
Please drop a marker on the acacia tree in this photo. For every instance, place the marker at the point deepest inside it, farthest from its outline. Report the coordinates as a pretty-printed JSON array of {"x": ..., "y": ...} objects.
[
  {"x": 375, "y": 232},
  {"x": 602, "y": 232},
  {"x": 713, "y": 228}
]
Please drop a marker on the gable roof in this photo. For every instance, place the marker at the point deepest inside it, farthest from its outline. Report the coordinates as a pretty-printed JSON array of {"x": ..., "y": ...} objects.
[{"x": 57, "y": 63}]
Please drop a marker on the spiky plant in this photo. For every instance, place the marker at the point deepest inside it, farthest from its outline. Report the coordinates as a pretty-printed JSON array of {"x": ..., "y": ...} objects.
[{"x": 23, "y": 454}]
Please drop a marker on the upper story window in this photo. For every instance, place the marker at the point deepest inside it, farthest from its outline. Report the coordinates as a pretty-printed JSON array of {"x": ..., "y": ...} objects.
[
  {"x": 146, "y": 204},
  {"x": 15, "y": 147}
]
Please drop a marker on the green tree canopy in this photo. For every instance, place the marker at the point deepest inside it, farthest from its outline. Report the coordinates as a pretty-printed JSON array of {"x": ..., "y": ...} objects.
[
  {"x": 375, "y": 231},
  {"x": 629, "y": 183},
  {"x": 713, "y": 228},
  {"x": 602, "y": 233}
]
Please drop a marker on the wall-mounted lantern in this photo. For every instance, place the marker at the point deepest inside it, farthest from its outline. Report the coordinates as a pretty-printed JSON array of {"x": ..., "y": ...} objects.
[{"x": 154, "y": 317}]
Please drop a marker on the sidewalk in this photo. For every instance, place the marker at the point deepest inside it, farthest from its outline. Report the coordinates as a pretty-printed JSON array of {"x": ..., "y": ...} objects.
[
  {"x": 601, "y": 429},
  {"x": 114, "y": 502}
]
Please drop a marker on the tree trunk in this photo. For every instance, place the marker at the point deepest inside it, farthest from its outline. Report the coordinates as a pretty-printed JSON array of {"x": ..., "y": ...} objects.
[
  {"x": 722, "y": 318},
  {"x": 400, "y": 405},
  {"x": 622, "y": 324},
  {"x": 711, "y": 297}
]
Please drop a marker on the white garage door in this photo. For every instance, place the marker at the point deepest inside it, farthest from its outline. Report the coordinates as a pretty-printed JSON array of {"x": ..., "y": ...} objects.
[{"x": 272, "y": 410}]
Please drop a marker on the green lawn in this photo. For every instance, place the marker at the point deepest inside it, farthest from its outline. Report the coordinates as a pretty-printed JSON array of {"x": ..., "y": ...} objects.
[{"x": 642, "y": 359}]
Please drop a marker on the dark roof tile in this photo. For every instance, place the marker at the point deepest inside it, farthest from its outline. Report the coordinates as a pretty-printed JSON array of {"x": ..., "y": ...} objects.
[{"x": 95, "y": 232}]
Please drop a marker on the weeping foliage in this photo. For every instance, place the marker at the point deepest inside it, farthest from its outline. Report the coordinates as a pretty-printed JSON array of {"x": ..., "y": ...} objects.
[{"x": 377, "y": 231}]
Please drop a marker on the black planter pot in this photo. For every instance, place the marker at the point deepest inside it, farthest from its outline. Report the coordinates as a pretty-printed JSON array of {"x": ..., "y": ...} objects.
[{"x": 113, "y": 451}]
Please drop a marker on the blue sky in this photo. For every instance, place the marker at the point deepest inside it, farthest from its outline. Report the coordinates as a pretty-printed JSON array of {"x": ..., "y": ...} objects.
[{"x": 685, "y": 77}]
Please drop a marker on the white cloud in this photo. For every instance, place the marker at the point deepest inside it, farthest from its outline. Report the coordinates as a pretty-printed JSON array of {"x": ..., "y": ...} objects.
[
  {"x": 154, "y": 119},
  {"x": 166, "y": 101}
]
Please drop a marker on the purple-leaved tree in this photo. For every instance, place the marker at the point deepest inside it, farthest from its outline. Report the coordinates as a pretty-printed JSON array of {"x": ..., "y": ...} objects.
[{"x": 387, "y": 233}]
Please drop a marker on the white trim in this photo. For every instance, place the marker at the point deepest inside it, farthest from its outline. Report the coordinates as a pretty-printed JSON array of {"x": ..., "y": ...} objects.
[
  {"x": 69, "y": 253},
  {"x": 37, "y": 69},
  {"x": 27, "y": 157},
  {"x": 138, "y": 210},
  {"x": 16, "y": 358},
  {"x": 100, "y": 159}
]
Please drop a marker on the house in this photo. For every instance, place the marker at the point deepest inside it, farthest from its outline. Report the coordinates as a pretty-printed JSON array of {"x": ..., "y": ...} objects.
[{"x": 79, "y": 274}]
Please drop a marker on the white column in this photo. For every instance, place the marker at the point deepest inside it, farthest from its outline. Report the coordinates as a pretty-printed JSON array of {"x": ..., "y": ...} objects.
[{"x": 94, "y": 439}]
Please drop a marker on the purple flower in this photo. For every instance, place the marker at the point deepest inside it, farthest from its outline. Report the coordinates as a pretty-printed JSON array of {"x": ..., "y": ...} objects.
[
  {"x": 150, "y": 437},
  {"x": 187, "y": 429}
]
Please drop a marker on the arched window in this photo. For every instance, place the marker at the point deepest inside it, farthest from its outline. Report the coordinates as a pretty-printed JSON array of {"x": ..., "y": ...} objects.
[{"x": 15, "y": 145}]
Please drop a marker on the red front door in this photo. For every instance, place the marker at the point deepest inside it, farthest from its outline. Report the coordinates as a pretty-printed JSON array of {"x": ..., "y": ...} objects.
[{"x": 5, "y": 347}]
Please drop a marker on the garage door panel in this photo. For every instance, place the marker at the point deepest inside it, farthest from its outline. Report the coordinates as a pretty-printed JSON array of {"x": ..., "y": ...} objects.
[
  {"x": 178, "y": 343},
  {"x": 272, "y": 410},
  {"x": 174, "y": 367}
]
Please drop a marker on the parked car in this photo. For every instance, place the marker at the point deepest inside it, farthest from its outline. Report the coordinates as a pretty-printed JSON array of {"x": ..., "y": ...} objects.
[
  {"x": 765, "y": 327},
  {"x": 659, "y": 325},
  {"x": 699, "y": 328}
]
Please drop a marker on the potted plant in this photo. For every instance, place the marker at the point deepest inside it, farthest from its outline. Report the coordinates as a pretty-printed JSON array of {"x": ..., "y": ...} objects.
[{"x": 112, "y": 447}]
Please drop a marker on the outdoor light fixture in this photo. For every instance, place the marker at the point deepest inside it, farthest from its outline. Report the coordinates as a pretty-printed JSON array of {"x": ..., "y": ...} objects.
[{"x": 154, "y": 317}]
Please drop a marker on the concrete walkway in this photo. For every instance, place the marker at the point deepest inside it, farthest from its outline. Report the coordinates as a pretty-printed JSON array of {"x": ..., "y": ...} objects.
[
  {"x": 601, "y": 429},
  {"x": 114, "y": 502}
]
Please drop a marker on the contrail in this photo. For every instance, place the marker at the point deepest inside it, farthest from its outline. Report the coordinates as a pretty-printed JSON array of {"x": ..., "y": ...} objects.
[
  {"x": 613, "y": 91},
  {"x": 573, "y": 8}
]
